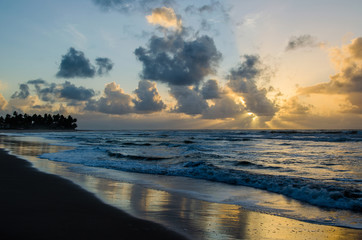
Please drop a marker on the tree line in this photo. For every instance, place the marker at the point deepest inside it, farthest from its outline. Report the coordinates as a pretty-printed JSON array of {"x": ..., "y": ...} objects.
[{"x": 47, "y": 121}]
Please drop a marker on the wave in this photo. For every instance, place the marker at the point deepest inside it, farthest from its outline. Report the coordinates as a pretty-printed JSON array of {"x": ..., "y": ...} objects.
[
  {"x": 136, "y": 157},
  {"x": 230, "y": 139},
  {"x": 136, "y": 144},
  {"x": 244, "y": 163},
  {"x": 316, "y": 135},
  {"x": 259, "y": 159},
  {"x": 313, "y": 131},
  {"x": 315, "y": 192}
]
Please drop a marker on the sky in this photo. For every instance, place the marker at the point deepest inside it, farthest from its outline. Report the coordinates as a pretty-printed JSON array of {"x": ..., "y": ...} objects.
[{"x": 172, "y": 64}]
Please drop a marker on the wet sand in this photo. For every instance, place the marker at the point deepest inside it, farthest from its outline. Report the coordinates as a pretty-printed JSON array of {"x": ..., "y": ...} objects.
[
  {"x": 37, "y": 205},
  {"x": 194, "y": 218}
]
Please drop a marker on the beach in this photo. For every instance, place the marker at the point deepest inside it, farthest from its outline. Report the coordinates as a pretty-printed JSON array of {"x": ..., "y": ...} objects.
[{"x": 38, "y": 205}]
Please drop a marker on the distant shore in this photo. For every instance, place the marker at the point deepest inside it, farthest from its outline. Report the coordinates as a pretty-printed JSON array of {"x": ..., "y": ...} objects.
[
  {"x": 36, "y": 205},
  {"x": 36, "y": 130}
]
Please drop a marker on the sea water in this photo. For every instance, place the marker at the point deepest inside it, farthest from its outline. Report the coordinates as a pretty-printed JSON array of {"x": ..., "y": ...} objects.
[{"x": 309, "y": 175}]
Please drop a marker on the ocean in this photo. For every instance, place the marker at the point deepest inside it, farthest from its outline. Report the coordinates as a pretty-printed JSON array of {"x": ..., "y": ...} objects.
[{"x": 308, "y": 175}]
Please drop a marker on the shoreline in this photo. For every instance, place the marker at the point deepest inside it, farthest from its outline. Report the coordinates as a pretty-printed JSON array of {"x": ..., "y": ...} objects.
[
  {"x": 37, "y": 205},
  {"x": 192, "y": 217}
]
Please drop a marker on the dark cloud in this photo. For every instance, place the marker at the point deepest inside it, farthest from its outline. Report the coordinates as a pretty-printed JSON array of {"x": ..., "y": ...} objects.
[
  {"x": 209, "y": 15},
  {"x": 127, "y": 6},
  {"x": 75, "y": 64},
  {"x": 149, "y": 99},
  {"x": 189, "y": 101},
  {"x": 243, "y": 79},
  {"x": 119, "y": 5},
  {"x": 36, "y": 81},
  {"x": 302, "y": 41},
  {"x": 48, "y": 93},
  {"x": 70, "y": 91},
  {"x": 113, "y": 101},
  {"x": 210, "y": 89},
  {"x": 176, "y": 61},
  {"x": 249, "y": 69},
  {"x": 55, "y": 92},
  {"x": 104, "y": 65},
  {"x": 23, "y": 93},
  {"x": 225, "y": 107},
  {"x": 211, "y": 8}
]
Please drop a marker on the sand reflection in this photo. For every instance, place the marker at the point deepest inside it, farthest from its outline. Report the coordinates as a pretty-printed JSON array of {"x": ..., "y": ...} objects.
[{"x": 195, "y": 218}]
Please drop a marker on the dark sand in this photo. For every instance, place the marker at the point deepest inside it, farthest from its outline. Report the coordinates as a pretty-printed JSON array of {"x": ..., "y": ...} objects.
[{"x": 37, "y": 205}]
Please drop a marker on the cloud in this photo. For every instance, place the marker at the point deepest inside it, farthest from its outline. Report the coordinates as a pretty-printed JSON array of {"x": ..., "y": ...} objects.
[
  {"x": 22, "y": 104},
  {"x": 104, "y": 65},
  {"x": 210, "y": 89},
  {"x": 44, "y": 93},
  {"x": 295, "y": 113},
  {"x": 189, "y": 101},
  {"x": 165, "y": 17},
  {"x": 23, "y": 93},
  {"x": 128, "y": 6},
  {"x": 3, "y": 102},
  {"x": 211, "y": 8},
  {"x": 302, "y": 41},
  {"x": 113, "y": 101},
  {"x": 70, "y": 91},
  {"x": 52, "y": 92},
  {"x": 173, "y": 60},
  {"x": 348, "y": 80},
  {"x": 210, "y": 15},
  {"x": 296, "y": 107},
  {"x": 36, "y": 81},
  {"x": 77, "y": 99},
  {"x": 74, "y": 64},
  {"x": 149, "y": 99},
  {"x": 224, "y": 107},
  {"x": 355, "y": 48},
  {"x": 192, "y": 101},
  {"x": 49, "y": 93},
  {"x": 243, "y": 80},
  {"x": 119, "y": 5}
]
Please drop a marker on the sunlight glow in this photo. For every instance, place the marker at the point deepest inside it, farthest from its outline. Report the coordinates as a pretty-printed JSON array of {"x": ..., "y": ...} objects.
[{"x": 241, "y": 100}]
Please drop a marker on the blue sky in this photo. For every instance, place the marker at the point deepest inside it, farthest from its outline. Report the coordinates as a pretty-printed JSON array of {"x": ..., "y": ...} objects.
[{"x": 292, "y": 87}]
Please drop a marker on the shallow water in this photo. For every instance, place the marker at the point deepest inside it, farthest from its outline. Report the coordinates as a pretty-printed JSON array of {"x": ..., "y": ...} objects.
[
  {"x": 196, "y": 218},
  {"x": 314, "y": 176}
]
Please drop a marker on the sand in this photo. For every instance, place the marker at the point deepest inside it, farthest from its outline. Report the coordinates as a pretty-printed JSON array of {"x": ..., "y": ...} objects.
[{"x": 37, "y": 205}]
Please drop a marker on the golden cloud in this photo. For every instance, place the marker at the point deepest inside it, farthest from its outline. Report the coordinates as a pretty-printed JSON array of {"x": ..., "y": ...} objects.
[
  {"x": 165, "y": 17},
  {"x": 3, "y": 102},
  {"x": 348, "y": 80}
]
